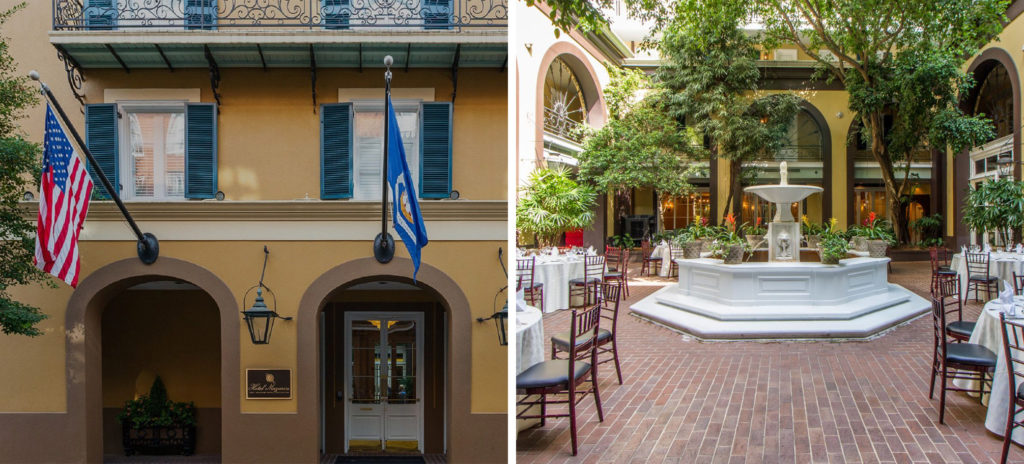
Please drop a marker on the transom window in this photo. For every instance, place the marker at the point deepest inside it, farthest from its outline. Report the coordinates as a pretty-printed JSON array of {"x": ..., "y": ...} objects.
[
  {"x": 152, "y": 152},
  {"x": 369, "y": 144}
]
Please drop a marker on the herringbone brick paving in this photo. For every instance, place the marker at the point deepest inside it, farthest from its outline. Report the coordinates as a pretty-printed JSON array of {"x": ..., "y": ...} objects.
[{"x": 685, "y": 401}]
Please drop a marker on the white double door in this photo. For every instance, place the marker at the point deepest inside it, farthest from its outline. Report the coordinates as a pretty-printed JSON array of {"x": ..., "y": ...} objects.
[{"x": 384, "y": 380}]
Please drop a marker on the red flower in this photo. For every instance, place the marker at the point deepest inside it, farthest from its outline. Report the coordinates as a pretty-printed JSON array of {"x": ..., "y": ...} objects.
[
  {"x": 759, "y": 221},
  {"x": 872, "y": 217}
]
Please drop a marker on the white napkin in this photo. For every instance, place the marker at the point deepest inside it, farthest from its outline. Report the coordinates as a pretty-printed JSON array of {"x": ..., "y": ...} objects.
[
  {"x": 591, "y": 251},
  {"x": 988, "y": 248},
  {"x": 963, "y": 250},
  {"x": 554, "y": 251},
  {"x": 1006, "y": 296},
  {"x": 1020, "y": 248},
  {"x": 521, "y": 300}
]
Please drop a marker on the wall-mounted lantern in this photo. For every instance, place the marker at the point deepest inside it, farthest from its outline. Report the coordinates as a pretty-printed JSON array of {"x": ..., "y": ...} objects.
[
  {"x": 259, "y": 317},
  {"x": 500, "y": 318}
]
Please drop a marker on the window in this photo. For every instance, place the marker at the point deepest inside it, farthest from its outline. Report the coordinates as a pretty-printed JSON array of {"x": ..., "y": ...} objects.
[
  {"x": 153, "y": 153},
  {"x": 369, "y": 144},
  {"x": 785, "y": 54}
]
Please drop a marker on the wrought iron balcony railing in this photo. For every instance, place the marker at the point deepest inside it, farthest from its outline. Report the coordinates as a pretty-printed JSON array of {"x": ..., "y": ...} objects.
[
  {"x": 99, "y": 15},
  {"x": 562, "y": 126}
]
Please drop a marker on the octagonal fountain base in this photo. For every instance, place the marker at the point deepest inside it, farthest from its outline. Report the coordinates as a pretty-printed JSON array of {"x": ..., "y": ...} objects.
[{"x": 782, "y": 300}]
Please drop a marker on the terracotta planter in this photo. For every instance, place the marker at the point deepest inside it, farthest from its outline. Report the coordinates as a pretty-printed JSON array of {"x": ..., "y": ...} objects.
[
  {"x": 813, "y": 241},
  {"x": 755, "y": 240},
  {"x": 859, "y": 243},
  {"x": 692, "y": 250},
  {"x": 706, "y": 245},
  {"x": 876, "y": 248},
  {"x": 733, "y": 254}
]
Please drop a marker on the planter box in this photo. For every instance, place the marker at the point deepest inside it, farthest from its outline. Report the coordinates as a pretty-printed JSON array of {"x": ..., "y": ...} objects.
[{"x": 158, "y": 439}]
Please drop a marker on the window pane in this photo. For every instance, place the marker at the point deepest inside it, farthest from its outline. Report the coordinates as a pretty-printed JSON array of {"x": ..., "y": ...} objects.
[
  {"x": 369, "y": 140},
  {"x": 157, "y": 154}
]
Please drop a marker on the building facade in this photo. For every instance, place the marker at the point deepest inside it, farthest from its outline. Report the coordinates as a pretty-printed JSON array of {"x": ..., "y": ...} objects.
[{"x": 233, "y": 125}]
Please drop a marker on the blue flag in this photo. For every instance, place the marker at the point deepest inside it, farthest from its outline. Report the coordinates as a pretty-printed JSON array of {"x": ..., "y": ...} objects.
[{"x": 404, "y": 205}]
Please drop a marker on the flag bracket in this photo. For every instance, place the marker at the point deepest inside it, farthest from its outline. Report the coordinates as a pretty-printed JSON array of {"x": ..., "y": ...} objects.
[{"x": 148, "y": 246}]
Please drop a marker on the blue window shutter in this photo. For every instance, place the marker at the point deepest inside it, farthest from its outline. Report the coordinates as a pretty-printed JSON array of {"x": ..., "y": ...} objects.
[
  {"x": 200, "y": 150},
  {"x": 100, "y": 14},
  {"x": 335, "y": 151},
  {"x": 101, "y": 139},
  {"x": 435, "y": 150},
  {"x": 336, "y": 13},
  {"x": 200, "y": 14}
]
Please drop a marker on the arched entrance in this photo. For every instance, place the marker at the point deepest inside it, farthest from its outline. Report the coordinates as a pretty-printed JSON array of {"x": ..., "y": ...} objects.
[
  {"x": 467, "y": 437},
  {"x": 997, "y": 95},
  {"x": 149, "y": 308}
]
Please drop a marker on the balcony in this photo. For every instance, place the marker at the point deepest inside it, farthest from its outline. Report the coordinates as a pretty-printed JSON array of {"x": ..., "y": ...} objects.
[{"x": 326, "y": 15}]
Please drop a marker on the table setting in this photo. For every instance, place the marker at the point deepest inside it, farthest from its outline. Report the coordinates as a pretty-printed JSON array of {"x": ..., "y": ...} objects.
[
  {"x": 529, "y": 342},
  {"x": 988, "y": 333},
  {"x": 554, "y": 269},
  {"x": 1002, "y": 265}
]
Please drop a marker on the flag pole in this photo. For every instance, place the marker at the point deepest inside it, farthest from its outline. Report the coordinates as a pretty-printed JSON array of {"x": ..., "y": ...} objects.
[
  {"x": 384, "y": 244},
  {"x": 148, "y": 245}
]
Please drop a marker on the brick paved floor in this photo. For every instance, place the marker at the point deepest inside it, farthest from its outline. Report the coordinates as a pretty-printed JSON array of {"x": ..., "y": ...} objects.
[{"x": 685, "y": 401}]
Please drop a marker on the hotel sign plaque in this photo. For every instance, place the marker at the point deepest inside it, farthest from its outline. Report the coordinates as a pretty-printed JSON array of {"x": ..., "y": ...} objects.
[{"x": 268, "y": 384}]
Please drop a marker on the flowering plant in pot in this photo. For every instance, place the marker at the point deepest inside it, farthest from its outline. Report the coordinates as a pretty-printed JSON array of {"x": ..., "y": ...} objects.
[
  {"x": 833, "y": 245},
  {"x": 811, "y": 231},
  {"x": 728, "y": 244},
  {"x": 700, "y": 230},
  {"x": 153, "y": 424},
  {"x": 879, "y": 235},
  {"x": 691, "y": 246},
  {"x": 755, "y": 233}
]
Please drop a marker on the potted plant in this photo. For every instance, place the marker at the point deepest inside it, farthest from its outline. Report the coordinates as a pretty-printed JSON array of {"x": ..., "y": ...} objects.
[
  {"x": 929, "y": 229},
  {"x": 811, "y": 232},
  {"x": 728, "y": 243},
  {"x": 755, "y": 233},
  {"x": 691, "y": 247},
  {"x": 833, "y": 245},
  {"x": 624, "y": 241},
  {"x": 700, "y": 230},
  {"x": 153, "y": 424},
  {"x": 552, "y": 203},
  {"x": 878, "y": 235}
]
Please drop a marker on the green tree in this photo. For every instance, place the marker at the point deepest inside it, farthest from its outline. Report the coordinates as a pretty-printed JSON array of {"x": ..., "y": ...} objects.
[
  {"x": 996, "y": 207},
  {"x": 902, "y": 64},
  {"x": 19, "y": 166},
  {"x": 641, "y": 146},
  {"x": 709, "y": 64},
  {"x": 552, "y": 203}
]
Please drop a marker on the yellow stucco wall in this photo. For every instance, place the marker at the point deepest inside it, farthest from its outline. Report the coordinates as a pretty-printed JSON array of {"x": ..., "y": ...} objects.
[{"x": 35, "y": 366}]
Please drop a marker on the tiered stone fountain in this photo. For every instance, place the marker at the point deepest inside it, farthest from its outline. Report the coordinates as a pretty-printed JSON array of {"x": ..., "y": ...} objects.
[{"x": 782, "y": 298}]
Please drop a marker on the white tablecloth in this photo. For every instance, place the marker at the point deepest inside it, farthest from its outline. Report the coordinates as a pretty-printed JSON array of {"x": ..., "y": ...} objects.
[
  {"x": 988, "y": 334},
  {"x": 529, "y": 338},
  {"x": 555, "y": 274},
  {"x": 662, "y": 251},
  {"x": 1002, "y": 265}
]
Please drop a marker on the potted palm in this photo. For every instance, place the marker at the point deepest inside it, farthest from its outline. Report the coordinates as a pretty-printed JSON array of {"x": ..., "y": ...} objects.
[
  {"x": 755, "y": 233},
  {"x": 552, "y": 203},
  {"x": 833, "y": 245},
  {"x": 153, "y": 424}
]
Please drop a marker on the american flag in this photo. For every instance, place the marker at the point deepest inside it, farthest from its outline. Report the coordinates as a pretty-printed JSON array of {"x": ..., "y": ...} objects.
[{"x": 63, "y": 203}]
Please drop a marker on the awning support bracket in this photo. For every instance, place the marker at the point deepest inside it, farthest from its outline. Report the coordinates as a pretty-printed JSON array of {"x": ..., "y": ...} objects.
[
  {"x": 263, "y": 60},
  {"x": 162, "y": 55},
  {"x": 455, "y": 71},
  {"x": 118, "y": 58},
  {"x": 74, "y": 72},
  {"x": 214, "y": 74},
  {"x": 312, "y": 74}
]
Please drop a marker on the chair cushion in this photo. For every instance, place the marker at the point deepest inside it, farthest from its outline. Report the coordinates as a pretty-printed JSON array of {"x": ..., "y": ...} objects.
[
  {"x": 653, "y": 259},
  {"x": 612, "y": 275},
  {"x": 945, "y": 271},
  {"x": 562, "y": 339},
  {"x": 970, "y": 353},
  {"x": 961, "y": 328},
  {"x": 584, "y": 281},
  {"x": 983, "y": 278},
  {"x": 1020, "y": 390},
  {"x": 550, "y": 373}
]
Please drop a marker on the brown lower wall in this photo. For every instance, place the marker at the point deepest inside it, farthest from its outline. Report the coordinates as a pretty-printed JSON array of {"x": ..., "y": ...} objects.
[{"x": 207, "y": 431}]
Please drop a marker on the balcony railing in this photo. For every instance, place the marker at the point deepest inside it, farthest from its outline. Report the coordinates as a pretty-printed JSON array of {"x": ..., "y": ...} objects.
[
  {"x": 105, "y": 15},
  {"x": 562, "y": 126},
  {"x": 796, "y": 153},
  {"x": 865, "y": 155}
]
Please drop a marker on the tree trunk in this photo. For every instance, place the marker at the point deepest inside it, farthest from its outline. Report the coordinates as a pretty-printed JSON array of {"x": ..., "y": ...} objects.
[
  {"x": 734, "y": 200},
  {"x": 893, "y": 188},
  {"x": 624, "y": 201}
]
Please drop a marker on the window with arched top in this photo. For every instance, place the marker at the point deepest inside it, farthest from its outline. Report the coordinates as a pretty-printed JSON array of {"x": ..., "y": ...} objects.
[
  {"x": 564, "y": 105},
  {"x": 995, "y": 100}
]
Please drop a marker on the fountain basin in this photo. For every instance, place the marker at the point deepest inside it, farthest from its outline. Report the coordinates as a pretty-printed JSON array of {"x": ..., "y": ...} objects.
[
  {"x": 782, "y": 300},
  {"x": 783, "y": 195}
]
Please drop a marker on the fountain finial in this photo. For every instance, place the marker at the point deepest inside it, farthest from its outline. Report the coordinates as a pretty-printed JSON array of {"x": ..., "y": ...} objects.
[{"x": 783, "y": 174}]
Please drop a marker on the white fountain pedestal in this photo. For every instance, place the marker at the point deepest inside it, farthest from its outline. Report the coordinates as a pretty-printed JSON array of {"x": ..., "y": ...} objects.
[
  {"x": 784, "y": 240},
  {"x": 782, "y": 300}
]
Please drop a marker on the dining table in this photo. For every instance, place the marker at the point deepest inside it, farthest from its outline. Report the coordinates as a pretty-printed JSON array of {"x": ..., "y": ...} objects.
[
  {"x": 662, "y": 251},
  {"x": 530, "y": 346},
  {"x": 1001, "y": 264},
  {"x": 987, "y": 333},
  {"x": 555, "y": 272}
]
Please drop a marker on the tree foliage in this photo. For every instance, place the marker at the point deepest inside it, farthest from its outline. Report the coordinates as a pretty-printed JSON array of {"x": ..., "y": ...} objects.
[
  {"x": 552, "y": 203},
  {"x": 709, "y": 66},
  {"x": 640, "y": 147},
  {"x": 995, "y": 206},
  {"x": 19, "y": 165},
  {"x": 902, "y": 65}
]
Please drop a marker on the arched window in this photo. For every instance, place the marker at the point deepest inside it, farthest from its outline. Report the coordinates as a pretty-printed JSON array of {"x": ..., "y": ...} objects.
[
  {"x": 995, "y": 100},
  {"x": 564, "y": 105}
]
